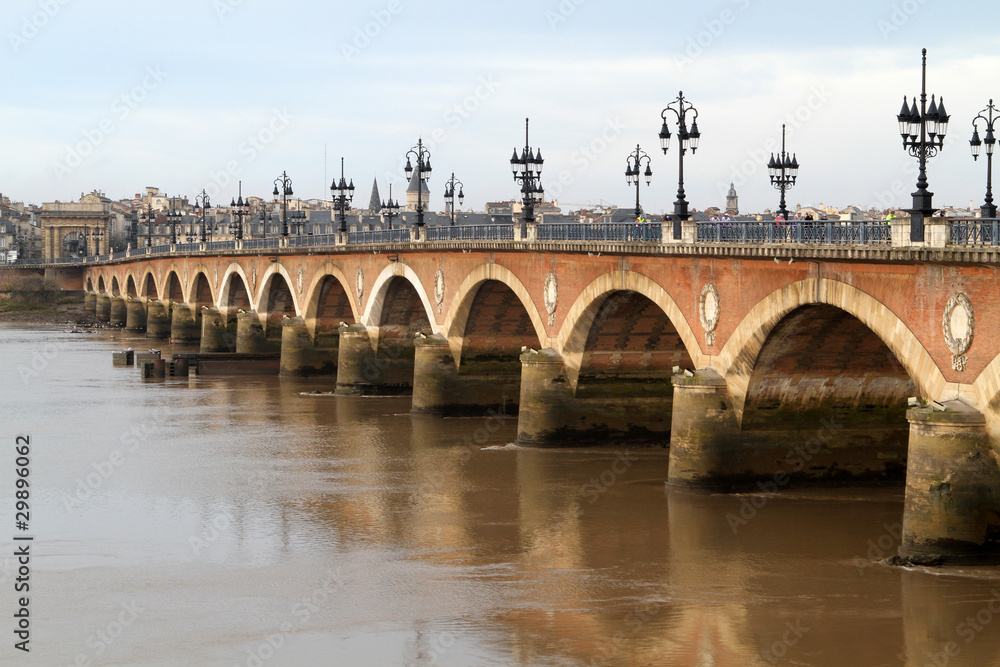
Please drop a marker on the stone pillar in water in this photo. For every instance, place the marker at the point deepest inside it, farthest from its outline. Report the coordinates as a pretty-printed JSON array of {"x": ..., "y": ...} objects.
[
  {"x": 250, "y": 337},
  {"x": 215, "y": 335},
  {"x": 705, "y": 448},
  {"x": 361, "y": 371},
  {"x": 546, "y": 398},
  {"x": 102, "y": 311},
  {"x": 157, "y": 320},
  {"x": 952, "y": 487},
  {"x": 118, "y": 312},
  {"x": 185, "y": 324},
  {"x": 89, "y": 306},
  {"x": 135, "y": 316},
  {"x": 300, "y": 354}
]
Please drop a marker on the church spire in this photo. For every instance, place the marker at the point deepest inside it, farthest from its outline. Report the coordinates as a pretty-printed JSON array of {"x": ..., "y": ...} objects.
[{"x": 375, "y": 203}]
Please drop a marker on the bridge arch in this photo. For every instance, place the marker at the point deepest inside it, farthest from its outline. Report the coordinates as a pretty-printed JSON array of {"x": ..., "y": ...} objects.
[
  {"x": 234, "y": 295},
  {"x": 572, "y": 339},
  {"x": 148, "y": 289},
  {"x": 101, "y": 285},
  {"x": 276, "y": 301},
  {"x": 173, "y": 289},
  {"x": 329, "y": 301},
  {"x": 115, "y": 288},
  {"x": 200, "y": 294},
  {"x": 376, "y": 311},
  {"x": 739, "y": 357},
  {"x": 130, "y": 290},
  {"x": 457, "y": 321},
  {"x": 90, "y": 283}
]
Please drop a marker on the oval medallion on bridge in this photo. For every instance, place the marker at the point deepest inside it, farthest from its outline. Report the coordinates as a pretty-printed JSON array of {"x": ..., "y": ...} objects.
[
  {"x": 299, "y": 281},
  {"x": 360, "y": 283},
  {"x": 439, "y": 289},
  {"x": 708, "y": 310},
  {"x": 551, "y": 296},
  {"x": 959, "y": 328},
  {"x": 216, "y": 278}
]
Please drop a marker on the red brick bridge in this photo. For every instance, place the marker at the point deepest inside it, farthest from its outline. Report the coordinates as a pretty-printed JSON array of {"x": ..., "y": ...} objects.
[{"x": 758, "y": 364}]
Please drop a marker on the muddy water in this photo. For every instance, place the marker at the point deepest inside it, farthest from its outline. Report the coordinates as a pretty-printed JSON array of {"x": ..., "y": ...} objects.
[{"x": 217, "y": 521}]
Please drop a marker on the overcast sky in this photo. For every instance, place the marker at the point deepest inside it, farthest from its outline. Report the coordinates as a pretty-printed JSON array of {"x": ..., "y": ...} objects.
[{"x": 193, "y": 94}]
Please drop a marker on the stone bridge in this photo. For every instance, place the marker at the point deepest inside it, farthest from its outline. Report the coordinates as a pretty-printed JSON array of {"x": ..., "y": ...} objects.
[{"x": 760, "y": 366}]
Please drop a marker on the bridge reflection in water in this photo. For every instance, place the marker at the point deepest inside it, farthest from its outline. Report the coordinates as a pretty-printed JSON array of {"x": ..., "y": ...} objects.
[{"x": 813, "y": 358}]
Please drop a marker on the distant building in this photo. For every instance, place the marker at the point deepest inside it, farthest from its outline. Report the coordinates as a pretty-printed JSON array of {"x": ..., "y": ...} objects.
[
  {"x": 412, "y": 193},
  {"x": 732, "y": 201}
]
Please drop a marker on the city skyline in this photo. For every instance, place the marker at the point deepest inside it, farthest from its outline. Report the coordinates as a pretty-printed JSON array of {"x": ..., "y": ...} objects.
[{"x": 203, "y": 94}]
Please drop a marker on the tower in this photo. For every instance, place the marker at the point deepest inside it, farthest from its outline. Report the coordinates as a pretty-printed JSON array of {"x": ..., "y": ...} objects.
[
  {"x": 732, "y": 201},
  {"x": 375, "y": 203}
]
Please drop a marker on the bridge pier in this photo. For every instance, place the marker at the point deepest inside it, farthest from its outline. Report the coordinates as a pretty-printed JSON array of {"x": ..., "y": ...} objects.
[
  {"x": 439, "y": 387},
  {"x": 303, "y": 356},
  {"x": 705, "y": 449},
  {"x": 628, "y": 410},
  {"x": 157, "y": 320},
  {"x": 250, "y": 337},
  {"x": 89, "y": 306},
  {"x": 118, "y": 312},
  {"x": 135, "y": 316},
  {"x": 102, "y": 310},
  {"x": 363, "y": 371},
  {"x": 952, "y": 497},
  {"x": 216, "y": 334},
  {"x": 185, "y": 324}
]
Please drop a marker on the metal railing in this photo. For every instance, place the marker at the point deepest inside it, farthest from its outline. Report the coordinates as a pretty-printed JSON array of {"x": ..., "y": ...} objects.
[
  {"x": 188, "y": 247},
  {"x": 159, "y": 250},
  {"x": 379, "y": 236},
  {"x": 269, "y": 242},
  {"x": 974, "y": 231},
  {"x": 857, "y": 232},
  {"x": 604, "y": 231},
  {"x": 220, "y": 245},
  {"x": 471, "y": 233}
]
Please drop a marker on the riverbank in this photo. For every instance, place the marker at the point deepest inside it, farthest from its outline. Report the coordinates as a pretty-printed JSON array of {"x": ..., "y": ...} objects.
[{"x": 63, "y": 313}]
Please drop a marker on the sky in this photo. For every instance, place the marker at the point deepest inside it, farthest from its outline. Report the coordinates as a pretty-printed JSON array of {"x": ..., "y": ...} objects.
[{"x": 193, "y": 95}]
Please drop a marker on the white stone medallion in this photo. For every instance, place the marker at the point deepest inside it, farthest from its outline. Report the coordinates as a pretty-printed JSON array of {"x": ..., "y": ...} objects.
[
  {"x": 359, "y": 284},
  {"x": 708, "y": 311},
  {"x": 959, "y": 327},
  {"x": 439, "y": 289},
  {"x": 300, "y": 280},
  {"x": 551, "y": 296}
]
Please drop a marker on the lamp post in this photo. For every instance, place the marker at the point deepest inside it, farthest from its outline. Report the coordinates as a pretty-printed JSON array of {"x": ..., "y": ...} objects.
[
  {"x": 149, "y": 219},
  {"x": 632, "y": 165},
  {"x": 174, "y": 217},
  {"x": 205, "y": 201},
  {"x": 285, "y": 191},
  {"x": 342, "y": 195},
  {"x": 783, "y": 171},
  {"x": 423, "y": 158},
  {"x": 923, "y": 130},
  {"x": 449, "y": 195},
  {"x": 390, "y": 208},
  {"x": 687, "y": 139},
  {"x": 988, "y": 209},
  {"x": 239, "y": 209},
  {"x": 527, "y": 171}
]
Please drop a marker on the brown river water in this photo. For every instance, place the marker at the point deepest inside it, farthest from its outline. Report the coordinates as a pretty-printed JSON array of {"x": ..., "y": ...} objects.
[{"x": 233, "y": 522}]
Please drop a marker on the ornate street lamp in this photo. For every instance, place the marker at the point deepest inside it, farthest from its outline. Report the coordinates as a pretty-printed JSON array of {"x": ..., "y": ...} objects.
[
  {"x": 390, "y": 208},
  {"x": 284, "y": 192},
  {"x": 238, "y": 210},
  {"x": 149, "y": 218},
  {"x": 205, "y": 202},
  {"x": 988, "y": 209},
  {"x": 449, "y": 195},
  {"x": 423, "y": 158},
  {"x": 342, "y": 195},
  {"x": 527, "y": 171},
  {"x": 174, "y": 217},
  {"x": 784, "y": 171},
  {"x": 688, "y": 139},
  {"x": 923, "y": 132},
  {"x": 632, "y": 165}
]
